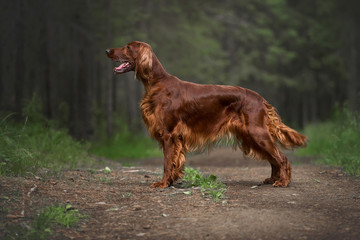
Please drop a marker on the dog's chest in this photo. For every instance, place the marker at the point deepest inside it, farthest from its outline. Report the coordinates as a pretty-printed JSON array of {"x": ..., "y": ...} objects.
[{"x": 151, "y": 113}]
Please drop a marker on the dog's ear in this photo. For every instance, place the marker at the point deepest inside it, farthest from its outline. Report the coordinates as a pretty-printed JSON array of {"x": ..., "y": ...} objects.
[{"x": 143, "y": 62}]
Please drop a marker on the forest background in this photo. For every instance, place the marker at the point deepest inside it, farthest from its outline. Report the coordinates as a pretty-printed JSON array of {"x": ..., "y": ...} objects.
[{"x": 301, "y": 55}]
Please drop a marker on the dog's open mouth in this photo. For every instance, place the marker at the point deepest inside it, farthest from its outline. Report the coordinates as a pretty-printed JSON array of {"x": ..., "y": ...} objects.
[{"x": 124, "y": 67}]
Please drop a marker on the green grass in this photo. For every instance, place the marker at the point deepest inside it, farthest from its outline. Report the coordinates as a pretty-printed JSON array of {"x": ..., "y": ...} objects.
[
  {"x": 126, "y": 146},
  {"x": 31, "y": 146},
  {"x": 336, "y": 142},
  {"x": 62, "y": 215},
  {"x": 210, "y": 185}
]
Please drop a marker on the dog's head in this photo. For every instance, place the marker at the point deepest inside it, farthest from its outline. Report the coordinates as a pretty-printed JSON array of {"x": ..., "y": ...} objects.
[{"x": 135, "y": 56}]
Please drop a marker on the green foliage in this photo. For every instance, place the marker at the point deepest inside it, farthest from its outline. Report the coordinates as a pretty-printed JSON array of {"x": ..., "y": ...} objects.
[
  {"x": 30, "y": 146},
  {"x": 336, "y": 142},
  {"x": 63, "y": 215},
  {"x": 126, "y": 145},
  {"x": 210, "y": 185},
  {"x": 320, "y": 139},
  {"x": 35, "y": 144},
  {"x": 33, "y": 109}
]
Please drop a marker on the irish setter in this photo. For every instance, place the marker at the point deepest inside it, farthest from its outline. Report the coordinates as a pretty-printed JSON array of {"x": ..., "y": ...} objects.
[{"x": 184, "y": 116}]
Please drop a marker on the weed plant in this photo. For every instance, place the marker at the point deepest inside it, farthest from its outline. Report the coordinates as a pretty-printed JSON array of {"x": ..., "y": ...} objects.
[
  {"x": 63, "y": 215},
  {"x": 210, "y": 185}
]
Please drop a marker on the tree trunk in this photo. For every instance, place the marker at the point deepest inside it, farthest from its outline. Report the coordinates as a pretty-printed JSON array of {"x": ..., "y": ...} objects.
[
  {"x": 352, "y": 88},
  {"x": 110, "y": 77},
  {"x": 132, "y": 99},
  {"x": 304, "y": 108},
  {"x": 19, "y": 74},
  {"x": 51, "y": 91},
  {"x": 2, "y": 85},
  {"x": 230, "y": 47}
]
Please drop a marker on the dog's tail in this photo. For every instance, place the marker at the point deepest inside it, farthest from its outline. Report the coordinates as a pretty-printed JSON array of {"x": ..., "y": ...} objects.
[{"x": 287, "y": 137}]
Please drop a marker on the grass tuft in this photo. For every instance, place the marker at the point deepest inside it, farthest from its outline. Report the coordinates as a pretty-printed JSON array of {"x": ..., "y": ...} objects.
[
  {"x": 63, "y": 215},
  {"x": 210, "y": 185}
]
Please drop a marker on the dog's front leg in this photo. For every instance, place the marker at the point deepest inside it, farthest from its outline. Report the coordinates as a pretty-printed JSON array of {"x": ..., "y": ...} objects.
[{"x": 170, "y": 153}]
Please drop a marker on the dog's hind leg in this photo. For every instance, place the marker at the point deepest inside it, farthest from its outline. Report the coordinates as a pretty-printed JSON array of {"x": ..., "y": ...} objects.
[
  {"x": 263, "y": 143},
  {"x": 275, "y": 174},
  {"x": 284, "y": 167}
]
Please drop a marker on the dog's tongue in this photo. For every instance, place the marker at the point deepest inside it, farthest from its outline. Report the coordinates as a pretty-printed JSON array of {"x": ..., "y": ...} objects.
[{"x": 119, "y": 68}]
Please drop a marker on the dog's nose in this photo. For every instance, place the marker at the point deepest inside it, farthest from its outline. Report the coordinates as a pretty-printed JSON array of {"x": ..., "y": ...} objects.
[{"x": 107, "y": 51}]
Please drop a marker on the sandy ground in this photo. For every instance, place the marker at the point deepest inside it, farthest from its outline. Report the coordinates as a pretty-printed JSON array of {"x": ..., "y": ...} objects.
[{"x": 320, "y": 203}]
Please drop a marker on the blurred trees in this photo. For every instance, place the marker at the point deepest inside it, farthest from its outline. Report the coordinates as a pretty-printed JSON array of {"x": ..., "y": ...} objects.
[{"x": 301, "y": 55}]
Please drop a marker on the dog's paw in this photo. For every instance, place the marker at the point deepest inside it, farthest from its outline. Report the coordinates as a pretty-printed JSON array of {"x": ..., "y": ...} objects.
[
  {"x": 282, "y": 183},
  {"x": 160, "y": 185},
  {"x": 270, "y": 180}
]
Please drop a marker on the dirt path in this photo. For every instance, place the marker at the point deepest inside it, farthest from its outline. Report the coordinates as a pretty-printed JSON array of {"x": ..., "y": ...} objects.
[{"x": 321, "y": 203}]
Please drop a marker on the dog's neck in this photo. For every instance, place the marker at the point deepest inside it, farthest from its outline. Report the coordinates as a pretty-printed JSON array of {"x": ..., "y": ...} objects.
[{"x": 157, "y": 72}]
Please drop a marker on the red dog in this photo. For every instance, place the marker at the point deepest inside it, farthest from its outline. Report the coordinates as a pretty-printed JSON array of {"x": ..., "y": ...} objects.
[{"x": 184, "y": 116}]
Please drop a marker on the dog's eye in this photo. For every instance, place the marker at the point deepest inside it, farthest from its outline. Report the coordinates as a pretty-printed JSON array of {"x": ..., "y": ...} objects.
[{"x": 127, "y": 47}]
